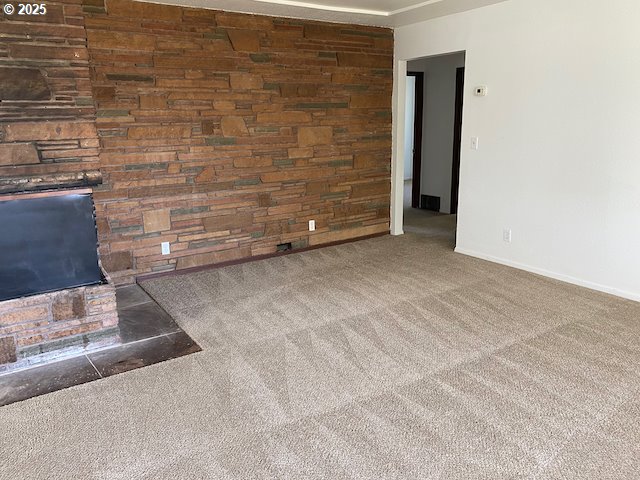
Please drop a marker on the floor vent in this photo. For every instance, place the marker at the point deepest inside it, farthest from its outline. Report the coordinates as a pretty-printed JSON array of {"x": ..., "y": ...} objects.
[
  {"x": 283, "y": 247},
  {"x": 427, "y": 202}
]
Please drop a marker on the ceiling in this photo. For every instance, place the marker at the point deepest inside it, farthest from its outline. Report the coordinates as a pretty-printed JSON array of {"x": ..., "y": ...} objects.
[
  {"x": 389, "y": 13},
  {"x": 375, "y": 7}
]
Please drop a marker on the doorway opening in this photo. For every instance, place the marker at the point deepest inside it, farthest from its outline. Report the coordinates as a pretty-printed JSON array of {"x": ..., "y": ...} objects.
[{"x": 433, "y": 136}]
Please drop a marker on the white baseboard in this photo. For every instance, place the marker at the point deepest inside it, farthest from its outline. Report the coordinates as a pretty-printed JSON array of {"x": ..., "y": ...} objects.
[{"x": 557, "y": 276}]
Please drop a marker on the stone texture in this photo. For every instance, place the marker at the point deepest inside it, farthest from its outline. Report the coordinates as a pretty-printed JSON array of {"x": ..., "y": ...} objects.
[
  {"x": 140, "y": 92},
  {"x": 227, "y": 222},
  {"x": 233, "y": 126},
  {"x": 317, "y": 188},
  {"x": 369, "y": 101},
  {"x": 23, "y": 84},
  {"x": 284, "y": 118},
  {"x": 68, "y": 306},
  {"x": 18, "y": 154},
  {"x": 156, "y": 220},
  {"x": 252, "y": 162},
  {"x": 117, "y": 261},
  {"x": 38, "y": 327},
  {"x": 214, "y": 257},
  {"x": 310, "y": 136},
  {"x": 306, "y": 152},
  {"x": 352, "y": 59},
  {"x": 153, "y": 102},
  {"x": 48, "y": 139},
  {"x": 22, "y": 315},
  {"x": 244, "y": 40},
  {"x": 369, "y": 189},
  {"x": 303, "y": 174},
  {"x": 230, "y": 111},
  {"x": 7, "y": 350},
  {"x": 122, "y": 40},
  {"x": 160, "y": 132},
  {"x": 246, "y": 81},
  {"x": 318, "y": 31},
  {"x": 30, "y": 183},
  {"x": 48, "y": 131}
]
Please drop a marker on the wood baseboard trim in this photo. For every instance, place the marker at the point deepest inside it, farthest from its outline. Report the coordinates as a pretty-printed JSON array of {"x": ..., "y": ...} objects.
[{"x": 184, "y": 271}]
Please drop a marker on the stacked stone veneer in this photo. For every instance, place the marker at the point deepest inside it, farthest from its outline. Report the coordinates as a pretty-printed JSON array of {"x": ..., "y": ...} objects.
[
  {"x": 220, "y": 133},
  {"x": 48, "y": 138},
  {"x": 47, "y": 114},
  {"x": 224, "y": 134},
  {"x": 37, "y": 328}
]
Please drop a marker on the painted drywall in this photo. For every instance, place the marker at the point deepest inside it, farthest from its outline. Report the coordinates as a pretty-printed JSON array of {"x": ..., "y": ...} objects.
[
  {"x": 558, "y": 158},
  {"x": 438, "y": 124},
  {"x": 409, "y": 114}
]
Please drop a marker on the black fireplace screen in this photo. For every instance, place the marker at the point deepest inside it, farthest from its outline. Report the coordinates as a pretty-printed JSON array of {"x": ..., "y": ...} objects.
[{"x": 47, "y": 244}]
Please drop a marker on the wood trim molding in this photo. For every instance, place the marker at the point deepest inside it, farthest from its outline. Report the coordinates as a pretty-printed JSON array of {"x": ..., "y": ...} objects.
[
  {"x": 416, "y": 158},
  {"x": 184, "y": 271}
]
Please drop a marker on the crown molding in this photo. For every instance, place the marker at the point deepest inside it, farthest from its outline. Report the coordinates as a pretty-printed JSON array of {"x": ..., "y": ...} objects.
[
  {"x": 331, "y": 8},
  {"x": 308, "y": 10}
]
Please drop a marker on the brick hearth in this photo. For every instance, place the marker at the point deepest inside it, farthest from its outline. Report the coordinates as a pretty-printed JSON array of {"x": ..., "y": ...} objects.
[{"x": 38, "y": 328}]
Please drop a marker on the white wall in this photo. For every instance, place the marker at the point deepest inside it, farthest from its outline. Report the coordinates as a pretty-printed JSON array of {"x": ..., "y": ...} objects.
[
  {"x": 438, "y": 124},
  {"x": 559, "y": 157},
  {"x": 409, "y": 112}
]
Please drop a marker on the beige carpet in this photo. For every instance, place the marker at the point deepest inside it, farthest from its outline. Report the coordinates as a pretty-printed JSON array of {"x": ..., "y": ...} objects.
[{"x": 391, "y": 358}]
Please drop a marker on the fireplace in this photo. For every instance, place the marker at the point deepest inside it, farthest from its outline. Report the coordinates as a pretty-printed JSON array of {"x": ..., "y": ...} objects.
[
  {"x": 49, "y": 243},
  {"x": 55, "y": 298}
]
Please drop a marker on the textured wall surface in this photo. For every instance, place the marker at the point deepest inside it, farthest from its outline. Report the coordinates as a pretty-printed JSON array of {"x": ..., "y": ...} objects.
[
  {"x": 39, "y": 328},
  {"x": 220, "y": 133},
  {"x": 223, "y": 134},
  {"x": 47, "y": 112}
]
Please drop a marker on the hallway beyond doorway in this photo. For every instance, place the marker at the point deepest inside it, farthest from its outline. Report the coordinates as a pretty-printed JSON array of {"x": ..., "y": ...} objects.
[{"x": 426, "y": 222}]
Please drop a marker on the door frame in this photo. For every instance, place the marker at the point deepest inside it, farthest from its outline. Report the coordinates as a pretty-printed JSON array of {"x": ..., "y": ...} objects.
[
  {"x": 457, "y": 141},
  {"x": 398, "y": 127},
  {"x": 418, "y": 118}
]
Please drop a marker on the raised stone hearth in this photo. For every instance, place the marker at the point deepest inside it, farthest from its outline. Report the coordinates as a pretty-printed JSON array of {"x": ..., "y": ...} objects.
[
  {"x": 56, "y": 299},
  {"x": 40, "y": 328}
]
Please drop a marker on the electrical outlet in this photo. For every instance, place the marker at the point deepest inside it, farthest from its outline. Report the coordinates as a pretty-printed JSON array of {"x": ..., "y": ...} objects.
[
  {"x": 166, "y": 248},
  {"x": 506, "y": 235},
  {"x": 312, "y": 225}
]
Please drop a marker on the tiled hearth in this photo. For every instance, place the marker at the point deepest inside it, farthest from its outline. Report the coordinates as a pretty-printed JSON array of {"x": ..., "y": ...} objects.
[{"x": 149, "y": 335}]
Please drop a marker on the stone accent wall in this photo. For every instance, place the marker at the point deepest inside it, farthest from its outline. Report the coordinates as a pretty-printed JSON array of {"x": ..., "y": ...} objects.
[
  {"x": 47, "y": 115},
  {"x": 36, "y": 328},
  {"x": 48, "y": 139},
  {"x": 220, "y": 133},
  {"x": 224, "y": 133}
]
